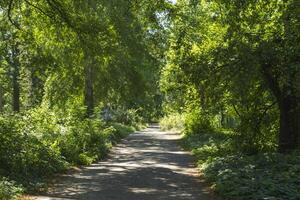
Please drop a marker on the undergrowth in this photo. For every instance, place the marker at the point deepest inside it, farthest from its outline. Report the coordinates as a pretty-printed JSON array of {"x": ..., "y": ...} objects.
[
  {"x": 40, "y": 143},
  {"x": 236, "y": 175},
  {"x": 172, "y": 122},
  {"x": 239, "y": 175}
]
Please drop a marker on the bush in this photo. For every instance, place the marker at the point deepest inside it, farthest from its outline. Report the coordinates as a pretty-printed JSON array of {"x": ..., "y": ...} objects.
[
  {"x": 38, "y": 143},
  {"x": 236, "y": 175},
  {"x": 172, "y": 122},
  {"x": 9, "y": 189},
  {"x": 263, "y": 176},
  {"x": 208, "y": 145},
  {"x": 196, "y": 123},
  {"x": 24, "y": 156},
  {"x": 83, "y": 139},
  {"x": 130, "y": 117},
  {"x": 90, "y": 140},
  {"x": 121, "y": 131}
]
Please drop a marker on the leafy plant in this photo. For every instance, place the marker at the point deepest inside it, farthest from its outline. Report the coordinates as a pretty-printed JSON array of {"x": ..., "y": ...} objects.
[
  {"x": 9, "y": 189},
  {"x": 173, "y": 121}
]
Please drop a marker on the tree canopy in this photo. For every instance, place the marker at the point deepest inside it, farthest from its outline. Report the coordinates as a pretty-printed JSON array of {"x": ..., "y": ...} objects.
[{"x": 238, "y": 59}]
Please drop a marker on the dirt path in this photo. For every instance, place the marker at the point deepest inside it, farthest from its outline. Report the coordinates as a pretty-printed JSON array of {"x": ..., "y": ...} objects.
[{"x": 148, "y": 165}]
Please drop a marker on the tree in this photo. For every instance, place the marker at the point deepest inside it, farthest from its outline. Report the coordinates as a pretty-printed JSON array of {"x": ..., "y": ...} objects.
[
  {"x": 234, "y": 54},
  {"x": 91, "y": 47},
  {"x": 270, "y": 29}
]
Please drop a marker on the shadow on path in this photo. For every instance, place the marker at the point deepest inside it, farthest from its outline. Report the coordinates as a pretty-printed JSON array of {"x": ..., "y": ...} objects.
[{"x": 148, "y": 165}]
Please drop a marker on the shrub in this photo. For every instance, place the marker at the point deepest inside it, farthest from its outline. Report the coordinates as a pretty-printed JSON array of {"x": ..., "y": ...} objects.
[
  {"x": 85, "y": 159},
  {"x": 36, "y": 144},
  {"x": 9, "y": 189},
  {"x": 129, "y": 117},
  {"x": 172, "y": 122},
  {"x": 237, "y": 175},
  {"x": 262, "y": 176},
  {"x": 121, "y": 130},
  {"x": 83, "y": 139},
  {"x": 24, "y": 156},
  {"x": 196, "y": 122}
]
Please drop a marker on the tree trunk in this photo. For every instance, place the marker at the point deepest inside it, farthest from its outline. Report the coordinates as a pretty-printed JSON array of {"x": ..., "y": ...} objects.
[
  {"x": 289, "y": 133},
  {"x": 15, "y": 80},
  {"x": 89, "y": 90},
  {"x": 16, "y": 90},
  {"x": 88, "y": 77},
  {"x": 289, "y": 107}
]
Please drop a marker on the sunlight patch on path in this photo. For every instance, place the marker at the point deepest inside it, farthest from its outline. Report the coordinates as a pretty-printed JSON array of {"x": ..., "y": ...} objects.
[{"x": 148, "y": 165}]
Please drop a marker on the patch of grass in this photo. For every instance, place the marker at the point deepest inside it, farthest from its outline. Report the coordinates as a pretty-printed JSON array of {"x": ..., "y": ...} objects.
[{"x": 122, "y": 130}]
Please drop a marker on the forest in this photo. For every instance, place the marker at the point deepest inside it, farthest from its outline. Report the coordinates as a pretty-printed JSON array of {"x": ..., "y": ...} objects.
[{"x": 78, "y": 76}]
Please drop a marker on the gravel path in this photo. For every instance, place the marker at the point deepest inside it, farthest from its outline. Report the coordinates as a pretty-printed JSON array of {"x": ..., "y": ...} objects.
[{"x": 148, "y": 165}]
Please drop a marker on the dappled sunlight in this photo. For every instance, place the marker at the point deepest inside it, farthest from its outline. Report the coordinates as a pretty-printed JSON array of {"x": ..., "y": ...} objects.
[
  {"x": 142, "y": 190},
  {"x": 147, "y": 165}
]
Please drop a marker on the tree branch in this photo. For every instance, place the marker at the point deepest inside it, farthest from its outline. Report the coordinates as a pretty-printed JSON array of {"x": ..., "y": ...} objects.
[
  {"x": 10, "y": 8},
  {"x": 235, "y": 109},
  {"x": 56, "y": 6},
  {"x": 38, "y": 8}
]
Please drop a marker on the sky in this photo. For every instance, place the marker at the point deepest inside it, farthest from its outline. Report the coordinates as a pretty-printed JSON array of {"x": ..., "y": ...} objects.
[{"x": 172, "y": 1}]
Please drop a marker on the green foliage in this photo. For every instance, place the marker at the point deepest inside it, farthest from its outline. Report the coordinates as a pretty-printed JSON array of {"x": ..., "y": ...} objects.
[
  {"x": 121, "y": 131},
  {"x": 83, "y": 140},
  {"x": 208, "y": 144},
  {"x": 9, "y": 189},
  {"x": 228, "y": 60},
  {"x": 60, "y": 62},
  {"x": 38, "y": 143},
  {"x": 129, "y": 117},
  {"x": 196, "y": 123},
  {"x": 236, "y": 175},
  {"x": 227, "y": 66},
  {"x": 23, "y": 155},
  {"x": 173, "y": 121},
  {"x": 263, "y": 176}
]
